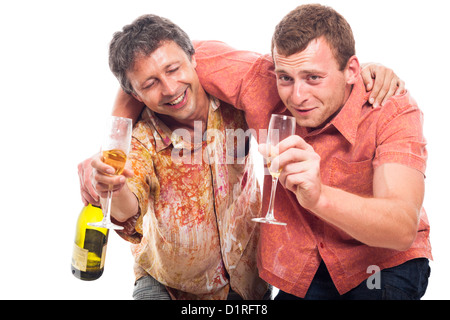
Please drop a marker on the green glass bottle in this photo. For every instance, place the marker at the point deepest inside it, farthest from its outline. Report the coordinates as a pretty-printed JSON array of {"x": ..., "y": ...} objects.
[{"x": 89, "y": 249}]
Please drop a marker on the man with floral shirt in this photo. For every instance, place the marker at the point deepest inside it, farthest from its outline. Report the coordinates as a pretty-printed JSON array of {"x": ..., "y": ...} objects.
[{"x": 190, "y": 194}]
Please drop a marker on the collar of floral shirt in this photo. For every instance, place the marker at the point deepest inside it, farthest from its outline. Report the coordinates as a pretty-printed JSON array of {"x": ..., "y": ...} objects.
[{"x": 164, "y": 137}]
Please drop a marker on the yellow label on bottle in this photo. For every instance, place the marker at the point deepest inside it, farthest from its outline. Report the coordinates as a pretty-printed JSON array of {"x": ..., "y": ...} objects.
[{"x": 79, "y": 258}]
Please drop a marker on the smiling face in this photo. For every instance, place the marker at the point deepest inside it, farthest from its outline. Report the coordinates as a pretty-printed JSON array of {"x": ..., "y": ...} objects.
[
  {"x": 166, "y": 81},
  {"x": 311, "y": 85}
]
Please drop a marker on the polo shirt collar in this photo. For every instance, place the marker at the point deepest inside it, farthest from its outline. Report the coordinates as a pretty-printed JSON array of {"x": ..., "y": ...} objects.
[{"x": 347, "y": 120}]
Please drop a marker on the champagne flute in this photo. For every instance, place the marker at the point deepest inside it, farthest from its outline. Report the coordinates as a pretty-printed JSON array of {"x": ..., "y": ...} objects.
[
  {"x": 280, "y": 127},
  {"x": 115, "y": 149}
]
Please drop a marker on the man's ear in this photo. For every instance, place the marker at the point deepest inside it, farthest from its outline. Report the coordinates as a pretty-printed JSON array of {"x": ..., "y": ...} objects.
[
  {"x": 352, "y": 70},
  {"x": 136, "y": 97},
  {"x": 193, "y": 61}
]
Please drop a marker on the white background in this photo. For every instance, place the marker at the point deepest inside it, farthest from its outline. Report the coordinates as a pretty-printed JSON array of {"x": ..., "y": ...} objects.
[{"x": 56, "y": 88}]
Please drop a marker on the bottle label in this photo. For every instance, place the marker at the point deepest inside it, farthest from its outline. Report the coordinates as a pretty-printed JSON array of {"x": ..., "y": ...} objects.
[
  {"x": 102, "y": 263},
  {"x": 79, "y": 258}
]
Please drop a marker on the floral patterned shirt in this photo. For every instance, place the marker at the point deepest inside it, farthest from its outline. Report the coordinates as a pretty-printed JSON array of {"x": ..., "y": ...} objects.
[{"x": 193, "y": 232}]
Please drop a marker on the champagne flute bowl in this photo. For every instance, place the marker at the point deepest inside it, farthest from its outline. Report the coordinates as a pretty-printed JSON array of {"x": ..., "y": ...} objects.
[
  {"x": 115, "y": 148},
  {"x": 280, "y": 127}
]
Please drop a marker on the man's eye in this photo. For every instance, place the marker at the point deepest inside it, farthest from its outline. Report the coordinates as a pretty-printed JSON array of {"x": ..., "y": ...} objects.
[
  {"x": 284, "y": 78},
  {"x": 314, "y": 78},
  {"x": 172, "y": 70},
  {"x": 148, "y": 85}
]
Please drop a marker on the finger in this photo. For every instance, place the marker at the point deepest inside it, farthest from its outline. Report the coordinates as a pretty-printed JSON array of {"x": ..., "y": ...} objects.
[
  {"x": 113, "y": 191},
  {"x": 103, "y": 189},
  {"x": 87, "y": 183},
  {"x": 381, "y": 86},
  {"x": 87, "y": 198},
  {"x": 293, "y": 141},
  {"x": 91, "y": 190},
  {"x": 85, "y": 201},
  {"x": 294, "y": 180},
  {"x": 88, "y": 193},
  {"x": 93, "y": 196},
  {"x": 268, "y": 155},
  {"x": 80, "y": 177},
  {"x": 303, "y": 179},
  {"x": 102, "y": 167},
  {"x": 292, "y": 174},
  {"x": 291, "y": 149},
  {"x": 367, "y": 78},
  {"x": 401, "y": 87},
  {"x": 390, "y": 93},
  {"x": 378, "y": 74},
  {"x": 107, "y": 179},
  {"x": 128, "y": 173},
  {"x": 293, "y": 158},
  {"x": 81, "y": 172},
  {"x": 267, "y": 151},
  {"x": 291, "y": 155}
]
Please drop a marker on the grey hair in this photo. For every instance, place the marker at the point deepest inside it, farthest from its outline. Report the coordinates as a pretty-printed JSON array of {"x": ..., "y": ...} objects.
[{"x": 143, "y": 37}]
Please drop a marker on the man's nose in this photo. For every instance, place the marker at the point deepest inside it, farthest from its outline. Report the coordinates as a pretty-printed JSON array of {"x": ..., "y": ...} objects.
[
  {"x": 169, "y": 86},
  {"x": 299, "y": 93}
]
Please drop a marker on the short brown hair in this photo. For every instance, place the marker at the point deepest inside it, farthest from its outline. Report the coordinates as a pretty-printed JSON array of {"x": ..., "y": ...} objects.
[{"x": 312, "y": 21}]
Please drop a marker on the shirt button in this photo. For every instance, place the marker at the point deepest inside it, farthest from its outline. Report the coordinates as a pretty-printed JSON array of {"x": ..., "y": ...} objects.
[{"x": 321, "y": 245}]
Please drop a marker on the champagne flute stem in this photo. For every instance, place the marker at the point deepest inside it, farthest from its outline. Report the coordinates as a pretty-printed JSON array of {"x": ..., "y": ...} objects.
[
  {"x": 269, "y": 214},
  {"x": 107, "y": 215}
]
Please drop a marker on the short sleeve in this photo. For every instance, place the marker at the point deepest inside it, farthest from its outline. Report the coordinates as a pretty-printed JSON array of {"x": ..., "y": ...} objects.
[
  {"x": 400, "y": 136},
  {"x": 244, "y": 79}
]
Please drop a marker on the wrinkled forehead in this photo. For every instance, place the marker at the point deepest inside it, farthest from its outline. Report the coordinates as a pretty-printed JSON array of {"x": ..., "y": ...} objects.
[{"x": 317, "y": 51}]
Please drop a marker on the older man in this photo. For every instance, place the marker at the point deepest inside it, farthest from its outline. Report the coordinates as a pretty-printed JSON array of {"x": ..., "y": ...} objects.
[{"x": 190, "y": 195}]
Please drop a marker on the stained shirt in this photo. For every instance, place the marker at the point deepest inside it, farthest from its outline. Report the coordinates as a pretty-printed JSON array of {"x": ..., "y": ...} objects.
[
  {"x": 351, "y": 146},
  {"x": 193, "y": 232}
]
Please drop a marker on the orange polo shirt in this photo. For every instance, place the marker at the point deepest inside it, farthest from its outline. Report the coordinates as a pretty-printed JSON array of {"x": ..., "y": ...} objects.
[{"x": 351, "y": 146}]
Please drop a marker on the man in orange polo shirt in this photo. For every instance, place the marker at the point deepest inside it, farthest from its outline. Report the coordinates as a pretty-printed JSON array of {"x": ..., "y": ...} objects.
[{"x": 353, "y": 175}]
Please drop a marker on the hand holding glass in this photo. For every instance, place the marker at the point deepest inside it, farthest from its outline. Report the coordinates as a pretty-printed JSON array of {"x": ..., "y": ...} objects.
[
  {"x": 115, "y": 149},
  {"x": 280, "y": 127}
]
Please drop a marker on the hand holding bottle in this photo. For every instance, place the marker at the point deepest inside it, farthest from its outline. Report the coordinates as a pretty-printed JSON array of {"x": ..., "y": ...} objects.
[{"x": 87, "y": 190}]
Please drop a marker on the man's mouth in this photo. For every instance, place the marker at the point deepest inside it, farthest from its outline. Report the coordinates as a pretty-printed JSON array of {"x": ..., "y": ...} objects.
[
  {"x": 304, "y": 110},
  {"x": 178, "y": 100}
]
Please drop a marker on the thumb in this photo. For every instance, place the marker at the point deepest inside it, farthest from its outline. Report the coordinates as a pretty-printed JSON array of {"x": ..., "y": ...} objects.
[
  {"x": 268, "y": 151},
  {"x": 262, "y": 148},
  {"x": 128, "y": 171}
]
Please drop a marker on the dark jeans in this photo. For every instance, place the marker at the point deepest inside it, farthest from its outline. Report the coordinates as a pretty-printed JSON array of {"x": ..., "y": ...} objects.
[
  {"x": 147, "y": 288},
  {"x": 407, "y": 281}
]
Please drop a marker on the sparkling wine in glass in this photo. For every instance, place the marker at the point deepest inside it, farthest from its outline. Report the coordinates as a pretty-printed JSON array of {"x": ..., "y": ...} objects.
[
  {"x": 280, "y": 127},
  {"x": 115, "y": 149}
]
